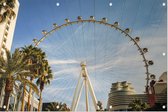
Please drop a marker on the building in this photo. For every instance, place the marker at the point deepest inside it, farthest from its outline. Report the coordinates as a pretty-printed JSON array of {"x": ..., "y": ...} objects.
[
  {"x": 122, "y": 93},
  {"x": 7, "y": 29},
  {"x": 118, "y": 96},
  {"x": 161, "y": 85}
]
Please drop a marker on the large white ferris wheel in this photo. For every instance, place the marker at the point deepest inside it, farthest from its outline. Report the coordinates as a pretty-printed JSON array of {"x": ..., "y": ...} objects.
[{"x": 81, "y": 51}]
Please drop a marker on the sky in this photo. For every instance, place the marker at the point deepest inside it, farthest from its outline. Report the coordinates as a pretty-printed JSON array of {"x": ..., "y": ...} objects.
[{"x": 109, "y": 55}]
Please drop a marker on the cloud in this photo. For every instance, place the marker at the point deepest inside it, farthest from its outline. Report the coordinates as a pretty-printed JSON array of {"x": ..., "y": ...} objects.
[
  {"x": 58, "y": 62},
  {"x": 72, "y": 71}
]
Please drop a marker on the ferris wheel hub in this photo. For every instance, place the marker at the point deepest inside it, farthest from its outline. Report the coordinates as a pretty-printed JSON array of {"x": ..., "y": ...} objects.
[{"x": 83, "y": 64}]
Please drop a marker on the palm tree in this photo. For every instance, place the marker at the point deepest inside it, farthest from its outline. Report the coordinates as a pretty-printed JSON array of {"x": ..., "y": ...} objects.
[
  {"x": 13, "y": 68},
  {"x": 33, "y": 56},
  {"x": 55, "y": 106},
  {"x": 138, "y": 105},
  {"x": 6, "y": 9},
  {"x": 100, "y": 106},
  {"x": 44, "y": 79}
]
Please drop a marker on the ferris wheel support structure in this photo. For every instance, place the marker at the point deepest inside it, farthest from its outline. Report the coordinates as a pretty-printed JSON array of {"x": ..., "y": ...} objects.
[{"x": 88, "y": 88}]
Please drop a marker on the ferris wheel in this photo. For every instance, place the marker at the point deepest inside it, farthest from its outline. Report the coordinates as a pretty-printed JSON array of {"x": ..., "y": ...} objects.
[{"x": 92, "y": 53}]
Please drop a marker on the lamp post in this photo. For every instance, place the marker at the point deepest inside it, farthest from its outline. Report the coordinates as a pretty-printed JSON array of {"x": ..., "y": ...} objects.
[
  {"x": 110, "y": 107},
  {"x": 57, "y": 107},
  {"x": 4, "y": 107}
]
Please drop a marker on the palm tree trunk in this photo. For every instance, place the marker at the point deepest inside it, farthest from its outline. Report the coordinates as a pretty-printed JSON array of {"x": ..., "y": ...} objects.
[
  {"x": 1, "y": 88},
  {"x": 29, "y": 97},
  {"x": 23, "y": 98},
  {"x": 1, "y": 17},
  {"x": 8, "y": 90},
  {"x": 18, "y": 100},
  {"x": 30, "y": 89},
  {"x": 40, "y": 101}
]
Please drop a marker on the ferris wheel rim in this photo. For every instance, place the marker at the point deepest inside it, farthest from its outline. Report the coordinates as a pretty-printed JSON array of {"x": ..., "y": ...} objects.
[{"x": 105, "y": 23}]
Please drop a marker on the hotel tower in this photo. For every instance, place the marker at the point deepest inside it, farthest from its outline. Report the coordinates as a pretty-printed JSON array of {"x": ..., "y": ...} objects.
[{"x": 7, "y": 26}]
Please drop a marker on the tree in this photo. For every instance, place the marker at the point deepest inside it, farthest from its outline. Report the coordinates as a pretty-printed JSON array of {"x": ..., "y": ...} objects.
[
  {"x": 100, "y": 106},
  {"x": 13, "y": 68},
  {"x": 33, "y": 56},
  {"x": 138, "y": 105},
  {"x": 6, "y": 9},
  {"x": 55, "y": 106},
  {"x": 44, "y": 79}
]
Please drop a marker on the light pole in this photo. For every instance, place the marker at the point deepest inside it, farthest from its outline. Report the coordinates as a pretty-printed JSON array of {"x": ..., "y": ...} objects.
[
  {"x": 110, "y": 108},
  {"x": 58, "y": 106},
  {"x": 4, "y": 107}
]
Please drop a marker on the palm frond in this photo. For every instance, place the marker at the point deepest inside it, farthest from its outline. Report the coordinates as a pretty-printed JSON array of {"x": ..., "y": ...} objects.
[
  {"x": 33, "y": 86},
  {"x": 3, "y": 75},
  {"x": 28, "y": 83},
  {"x": 25, "y": 74},
  {"x": 38, "y": 81}
]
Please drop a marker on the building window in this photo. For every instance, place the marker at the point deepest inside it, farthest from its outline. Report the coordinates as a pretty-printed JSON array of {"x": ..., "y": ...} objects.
[
  {"x": 4, "y": 40},
  {"x": 2, "y": 53},
  {"x": 3, "y": 46},
  {"x": 10, "y": 17},
  {"x": 7, "y": 28},
  {"x": 8, "y": 23},
  {"x": 26, "y": 106},
  {"x": 34, "y": 109},
  {"x": 6, "y": 34}
]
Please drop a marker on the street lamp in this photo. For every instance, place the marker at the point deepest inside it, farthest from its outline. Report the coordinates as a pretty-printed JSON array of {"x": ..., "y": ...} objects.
[
  {"x": 4, "y": 4},
  {"x": 110, "y": 107},
  {"x": 57, "y": 107},
  {"x": 163, "y": 106},
  {"x": 4, "y": 106}
]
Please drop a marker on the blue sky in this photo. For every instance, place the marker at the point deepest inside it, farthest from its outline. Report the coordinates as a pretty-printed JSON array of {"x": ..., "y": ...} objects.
[{"x": 109, "y": 55}]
